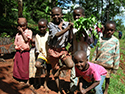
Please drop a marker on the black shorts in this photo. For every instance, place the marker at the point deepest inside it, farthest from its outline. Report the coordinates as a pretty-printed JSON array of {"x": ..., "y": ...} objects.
[{"x": 43, "y": 62}]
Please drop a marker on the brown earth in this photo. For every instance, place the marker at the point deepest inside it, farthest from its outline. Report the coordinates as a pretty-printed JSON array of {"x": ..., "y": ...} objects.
[{"x": 8, "y": 85}]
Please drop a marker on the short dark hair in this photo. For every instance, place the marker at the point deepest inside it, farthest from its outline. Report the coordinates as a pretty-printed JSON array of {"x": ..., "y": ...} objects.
[
  {"x": 110, "y": 22},
  {"x": 80, "y": 8},
  {"x": 55, "y": 8},
  {"x": 44, "y": 20}
]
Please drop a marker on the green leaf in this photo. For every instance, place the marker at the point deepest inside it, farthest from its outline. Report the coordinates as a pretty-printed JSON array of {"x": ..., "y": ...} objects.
[
  {"x": 99, "y": 25},
  {"x": 47, "y": 8}
]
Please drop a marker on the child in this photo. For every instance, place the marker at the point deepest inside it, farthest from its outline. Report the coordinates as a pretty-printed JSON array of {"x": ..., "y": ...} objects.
[
  {"x": 90, "y": 75},
  {"x": 58, "y": 39},
  {"x": 107, "y": 54},
  {"x": 22, "y": 41},
  {"x": 82, "y": 44},
  {"x": 41, "y": 52},
  {"x": 32, "y": 68},
  {"x": 119, "y": 34}
]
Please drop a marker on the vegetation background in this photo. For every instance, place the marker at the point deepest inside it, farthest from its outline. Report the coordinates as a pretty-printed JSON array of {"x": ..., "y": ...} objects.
[{"x": 33, "y": 10}]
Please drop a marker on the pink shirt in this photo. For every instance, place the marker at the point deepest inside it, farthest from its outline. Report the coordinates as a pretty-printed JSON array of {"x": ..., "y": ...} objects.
[
  {"x": 93, "y": 72},
  {"x": 20, "y": 43},
  {"x": 98, "y": 29}
]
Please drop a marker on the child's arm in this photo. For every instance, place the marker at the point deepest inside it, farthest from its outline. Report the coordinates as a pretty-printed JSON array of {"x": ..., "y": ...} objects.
[
  {"x": 84, "y": 91},
  {"x": 95, "y": 57},
  {"x": 21, "y": 31},
  {"x": 58, "y": 34},
  {"x": 70, "y": 39},
  {"x": 116, "y": 58}
]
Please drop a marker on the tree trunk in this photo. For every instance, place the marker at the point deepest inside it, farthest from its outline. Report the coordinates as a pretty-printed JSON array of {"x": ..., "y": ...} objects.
[
  {"x": 102, "y": 11},
  {"x": 20, "y": 8}
]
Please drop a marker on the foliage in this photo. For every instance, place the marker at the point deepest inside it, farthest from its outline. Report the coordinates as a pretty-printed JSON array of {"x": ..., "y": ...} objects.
[
  {"x": 33, "y": 10},
  {"x": 83, "y": 24},
  {"x": 4, "y": 34}
]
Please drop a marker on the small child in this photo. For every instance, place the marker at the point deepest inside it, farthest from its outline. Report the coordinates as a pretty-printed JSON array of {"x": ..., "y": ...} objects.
[
  {"x": 41, "y": 52},
  {"x": 119, "y": 34},
  {"x": 32, "y": 68},
  {"x": 22, "y": 46},
  {"x": 90, "y": 75},
  {"x": 58, "y": 40},
  {"x": 108, "y": 54}
]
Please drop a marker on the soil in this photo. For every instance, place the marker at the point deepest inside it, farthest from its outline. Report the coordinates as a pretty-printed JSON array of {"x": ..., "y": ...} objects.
[{"x": 8, "y": 85}]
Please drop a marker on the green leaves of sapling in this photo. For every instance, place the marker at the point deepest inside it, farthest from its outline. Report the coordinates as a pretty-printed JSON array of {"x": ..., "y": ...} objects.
[{"x": 85, "y": 24}]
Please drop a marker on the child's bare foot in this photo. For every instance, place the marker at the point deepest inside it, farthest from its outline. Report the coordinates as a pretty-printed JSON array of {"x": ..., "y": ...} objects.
[{"x": 23, "y": 85}]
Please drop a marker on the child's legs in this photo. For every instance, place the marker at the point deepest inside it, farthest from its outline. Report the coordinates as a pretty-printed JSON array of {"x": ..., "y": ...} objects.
[
  {"x": 69, "y": 62},
  {"x": 73, "y": 80},
  {"x": 98, "y": 88},
  {"x": 68, "y": 65},
  {"x": 47, "y": 72},
  {"x": 67, "y": 59},
  {"x": 54, "y": 62},
  {"x": 107, "y": 81}
]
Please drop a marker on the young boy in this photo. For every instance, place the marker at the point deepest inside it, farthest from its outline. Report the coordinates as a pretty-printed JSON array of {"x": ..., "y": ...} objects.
[
  {"x": 41, "y": 52},
  {"x": 82, "y": 44},
  {"x": 22, "y": 41},
  {"x": 90, "y": 75},
  {"x": 108, "y": 54},
  {"x": 58, "y": 39}
]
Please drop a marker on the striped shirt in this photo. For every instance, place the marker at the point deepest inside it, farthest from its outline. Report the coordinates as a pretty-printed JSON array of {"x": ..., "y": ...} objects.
[{"x": 108, "y": 54}]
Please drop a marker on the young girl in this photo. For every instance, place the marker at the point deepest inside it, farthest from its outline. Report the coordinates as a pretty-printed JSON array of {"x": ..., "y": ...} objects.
[
  {"x": 90, "y": 75},
  {"x": 22, "y": 46}
]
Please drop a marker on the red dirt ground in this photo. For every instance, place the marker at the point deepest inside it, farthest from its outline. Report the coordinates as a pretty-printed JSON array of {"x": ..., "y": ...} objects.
[{"x": 8, "y": 85}]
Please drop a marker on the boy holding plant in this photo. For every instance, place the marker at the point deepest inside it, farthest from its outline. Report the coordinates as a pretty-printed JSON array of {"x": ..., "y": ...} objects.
[{"x": 108, "y": 54}]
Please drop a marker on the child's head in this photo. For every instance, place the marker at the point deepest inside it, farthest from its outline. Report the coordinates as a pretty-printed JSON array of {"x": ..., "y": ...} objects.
[
  {"x": 110, "y": 27},
  {"x": 80, "y": 60},
  {"x": 42, "y": 24},
  {"x": 22, "y": 23},
  {"x": 56, "y": 15},
  {"x": 33, "y": 41},
  {"x": 78, "y": 12}
]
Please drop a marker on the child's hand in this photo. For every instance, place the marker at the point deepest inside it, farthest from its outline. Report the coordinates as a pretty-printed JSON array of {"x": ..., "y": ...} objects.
[
  {"x": 20, "y": 30},
  {"x": 71, "y": 25},
  {"x": 83, "y": 91}
]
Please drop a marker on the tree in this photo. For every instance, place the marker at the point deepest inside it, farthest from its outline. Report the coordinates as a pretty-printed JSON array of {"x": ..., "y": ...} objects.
[{"x": 20, "y": 8}]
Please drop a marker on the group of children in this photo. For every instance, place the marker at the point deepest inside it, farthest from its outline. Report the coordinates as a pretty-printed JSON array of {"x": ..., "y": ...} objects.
[{"x": 49, "y": 48}]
